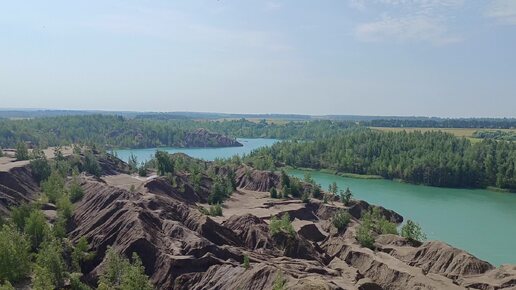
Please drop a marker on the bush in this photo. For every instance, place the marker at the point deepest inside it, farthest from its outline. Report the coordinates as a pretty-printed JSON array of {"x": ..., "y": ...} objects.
[
  {"x": 22, "y": 153},
  {"x": 14, "y": 254},
  {"x": 216, "y": 210},
  {"x": 374, "y": 223},
  {"x": 284, "y": 225},
  {"x": 279, "y": 282},
  {"x": 365, "y": 236},
  {"x": 246, "y": 262},
  {"x": 273, "y": 192},
  {"x": 341, "y": 219},
  {"x": 413, "y": 231}
]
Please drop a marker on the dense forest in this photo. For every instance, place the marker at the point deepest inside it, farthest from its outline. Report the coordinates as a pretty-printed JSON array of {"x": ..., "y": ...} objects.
[
  {"x": 117, "y": 131},
  {"x": 431, "y": 158},
  {"x": 486, "y": 123}
]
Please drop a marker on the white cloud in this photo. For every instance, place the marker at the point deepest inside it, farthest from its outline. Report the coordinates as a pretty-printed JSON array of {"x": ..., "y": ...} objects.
[
  {"x": 413, "y": 28},
  {"x": 409, "y": 20},
  {"x": 504, "y": 11}
]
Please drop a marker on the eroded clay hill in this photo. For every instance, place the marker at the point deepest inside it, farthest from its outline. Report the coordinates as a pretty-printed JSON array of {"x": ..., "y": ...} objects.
[{"x": 182, "y": 248}]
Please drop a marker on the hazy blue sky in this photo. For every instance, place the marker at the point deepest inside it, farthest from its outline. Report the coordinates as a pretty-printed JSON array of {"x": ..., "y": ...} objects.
[{"x": 379, "y": 57}]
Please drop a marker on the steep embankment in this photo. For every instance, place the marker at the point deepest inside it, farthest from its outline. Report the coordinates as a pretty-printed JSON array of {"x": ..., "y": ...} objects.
[{"x": 181, "y": 248}]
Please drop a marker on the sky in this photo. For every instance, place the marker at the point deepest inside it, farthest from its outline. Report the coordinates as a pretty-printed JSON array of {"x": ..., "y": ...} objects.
[{"x": 447, "y": 58}]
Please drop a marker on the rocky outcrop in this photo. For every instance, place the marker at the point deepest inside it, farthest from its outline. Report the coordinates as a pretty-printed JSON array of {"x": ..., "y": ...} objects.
[
  {"x": 257, "y": 180},
  {"x": 204, "y": 138}
]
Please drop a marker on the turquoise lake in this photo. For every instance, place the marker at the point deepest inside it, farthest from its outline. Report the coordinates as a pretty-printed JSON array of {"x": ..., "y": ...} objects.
[
  {"x": 209, "y": 154},
  {"x": 478, "y": 221}
]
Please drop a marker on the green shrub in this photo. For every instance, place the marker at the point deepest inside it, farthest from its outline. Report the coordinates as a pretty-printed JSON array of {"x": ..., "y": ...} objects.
[
  {"x": 14, "y": 254},
  {"x": 412, "y": 231},
  {"x": 6, "y": 285},
  {"x": 341, "y": 219},
  {"x": 365, "y": 236},
  {"x": 216, "y": 210},
  {"x": 345, "y": 196},
  {"x": 284, "y": 225},
  {"x": 246, "y": 262},
  {"x": 373, "y": 224},
  {"x": 279, "y": 282},
  {"x": 273, "y": 192}
]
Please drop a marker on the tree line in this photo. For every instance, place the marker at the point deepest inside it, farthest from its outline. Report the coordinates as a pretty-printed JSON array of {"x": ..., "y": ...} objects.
[
  {"x": 119, "y": 132},
  {"x": 430, "y": 158}
]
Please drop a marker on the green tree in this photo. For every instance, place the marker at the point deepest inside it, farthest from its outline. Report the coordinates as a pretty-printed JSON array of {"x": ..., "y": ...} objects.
[
  {"x": 76, "y": 283},
  {"x": 91, "y": 165},
  {"x": 14, "y": 254},
  {"x": 345, "y": 197},
  {"x": 20, "y": 214},
  {"x": 22, "y": 153},
  {"x": 40, "y": 169},
  {"x": 80, "y": 253},
  {"x": 165, "y": 164},
  {"x": 42, "y": 279},
  {"x": 50, "y": 258},
  {"x": 6, "y": 286},
  {"x": 76, "y": 191},
  {"x": 36, "y": 228},
  {"x": 412, "y": 231},
  {"x": 53, "y": 187},
  {"x": 123, "y": 275},
  {"x": 333, "y": 188}
]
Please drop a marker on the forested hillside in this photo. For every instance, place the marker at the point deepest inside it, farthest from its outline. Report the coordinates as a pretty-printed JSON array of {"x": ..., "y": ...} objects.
[
  {"x": 431, "y": 158},
  {"x": 117, "y": 131}
]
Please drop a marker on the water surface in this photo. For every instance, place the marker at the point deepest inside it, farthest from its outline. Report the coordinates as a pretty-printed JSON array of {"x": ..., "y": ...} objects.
[
  {"x": 479, "y": 221},
  {"x": 209, "y": 154}
]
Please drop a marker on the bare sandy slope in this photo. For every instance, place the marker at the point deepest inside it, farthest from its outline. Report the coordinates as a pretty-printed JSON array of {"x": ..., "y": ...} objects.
[{"x": 9, "y": 162}]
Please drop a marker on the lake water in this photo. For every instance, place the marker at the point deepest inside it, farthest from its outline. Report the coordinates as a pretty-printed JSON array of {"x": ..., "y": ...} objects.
[
  {"x": 202, "y": 153},
  {"x": 478, "y": 221}
]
